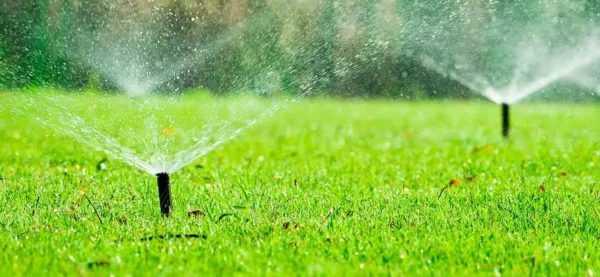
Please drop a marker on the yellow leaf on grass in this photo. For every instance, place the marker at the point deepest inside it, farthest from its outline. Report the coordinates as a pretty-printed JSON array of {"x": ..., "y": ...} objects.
[
  {"x": 168, "y": 131},
  {"x": 454, "y": 183}
]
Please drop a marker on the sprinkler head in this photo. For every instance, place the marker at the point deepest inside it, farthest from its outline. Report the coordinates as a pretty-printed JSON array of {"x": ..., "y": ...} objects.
[
  {"x": 505, "y": 120},
  {"x": 164, "y": 193}
]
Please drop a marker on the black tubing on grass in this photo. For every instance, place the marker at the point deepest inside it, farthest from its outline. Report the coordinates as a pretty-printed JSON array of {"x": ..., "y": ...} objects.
[
  {"x": 505, "y": 120},
  {"x": 164, "y": 193}
]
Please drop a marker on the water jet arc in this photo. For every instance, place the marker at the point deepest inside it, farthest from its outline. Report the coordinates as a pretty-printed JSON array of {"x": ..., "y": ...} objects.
[
  {"x": 164, "y": 193},
  {"x": 505, "y": 120}
]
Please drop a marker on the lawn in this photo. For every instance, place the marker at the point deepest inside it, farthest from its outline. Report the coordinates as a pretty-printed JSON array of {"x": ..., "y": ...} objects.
[{"x": 322, "y": 187}]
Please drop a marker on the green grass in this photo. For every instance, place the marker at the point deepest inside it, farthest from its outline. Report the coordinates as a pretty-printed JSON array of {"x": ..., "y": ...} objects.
[{"x": 324, "y": 187}]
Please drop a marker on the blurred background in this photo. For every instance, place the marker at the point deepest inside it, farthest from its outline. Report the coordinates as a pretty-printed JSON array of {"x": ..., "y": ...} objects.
[{"x": 355, "y": 48}]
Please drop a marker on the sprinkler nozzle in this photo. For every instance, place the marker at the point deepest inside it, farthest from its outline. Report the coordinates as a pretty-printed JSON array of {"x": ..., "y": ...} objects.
[
  {"x": 164, "y": 193},
  {"x": 505, "y": 120}
]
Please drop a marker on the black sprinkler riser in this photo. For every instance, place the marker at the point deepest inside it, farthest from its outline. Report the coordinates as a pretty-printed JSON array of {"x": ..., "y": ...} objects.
[
  {"x": 164, "y": 193},
  {"x": 505, "y": 120}
]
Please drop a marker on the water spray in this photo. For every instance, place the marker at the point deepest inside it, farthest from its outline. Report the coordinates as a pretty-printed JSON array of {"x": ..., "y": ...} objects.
[
  {"x": 505, "y": 120},
  {"x": 164, "y": 193}
]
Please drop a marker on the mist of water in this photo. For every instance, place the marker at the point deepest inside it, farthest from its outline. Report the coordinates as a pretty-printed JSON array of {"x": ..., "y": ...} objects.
[
  {"x": 125, "y": 53},
  {"x": 125, "y": 61},
  {"x": 588, "y": 78},
  {"x": 493, "y": 54},
  {"x": 155, "y": 134},
  {"x": 502, "y": 57}
]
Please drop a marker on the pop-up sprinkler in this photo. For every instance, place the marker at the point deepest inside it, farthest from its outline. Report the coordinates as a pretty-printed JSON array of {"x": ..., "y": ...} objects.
[
  {"x": 164, "y": 193},
  {"x": 505, "y": 120}
]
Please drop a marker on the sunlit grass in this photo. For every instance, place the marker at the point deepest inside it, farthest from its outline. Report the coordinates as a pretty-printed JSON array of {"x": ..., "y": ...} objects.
[{"x": 324, "y": 187}]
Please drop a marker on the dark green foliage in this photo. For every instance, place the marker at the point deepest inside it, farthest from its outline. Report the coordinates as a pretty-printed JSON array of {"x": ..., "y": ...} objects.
[
  {"x": 324, "y": 59},
  {"x": 263, "y": 55},
  {"x": 36, "y": 38},
  {"x": 26, "y": 33},
  {"x": 346, "y": 48}
]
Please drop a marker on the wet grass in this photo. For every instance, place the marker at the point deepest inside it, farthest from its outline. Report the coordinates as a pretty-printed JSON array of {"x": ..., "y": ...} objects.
[{"x": 324, "y": 187}]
